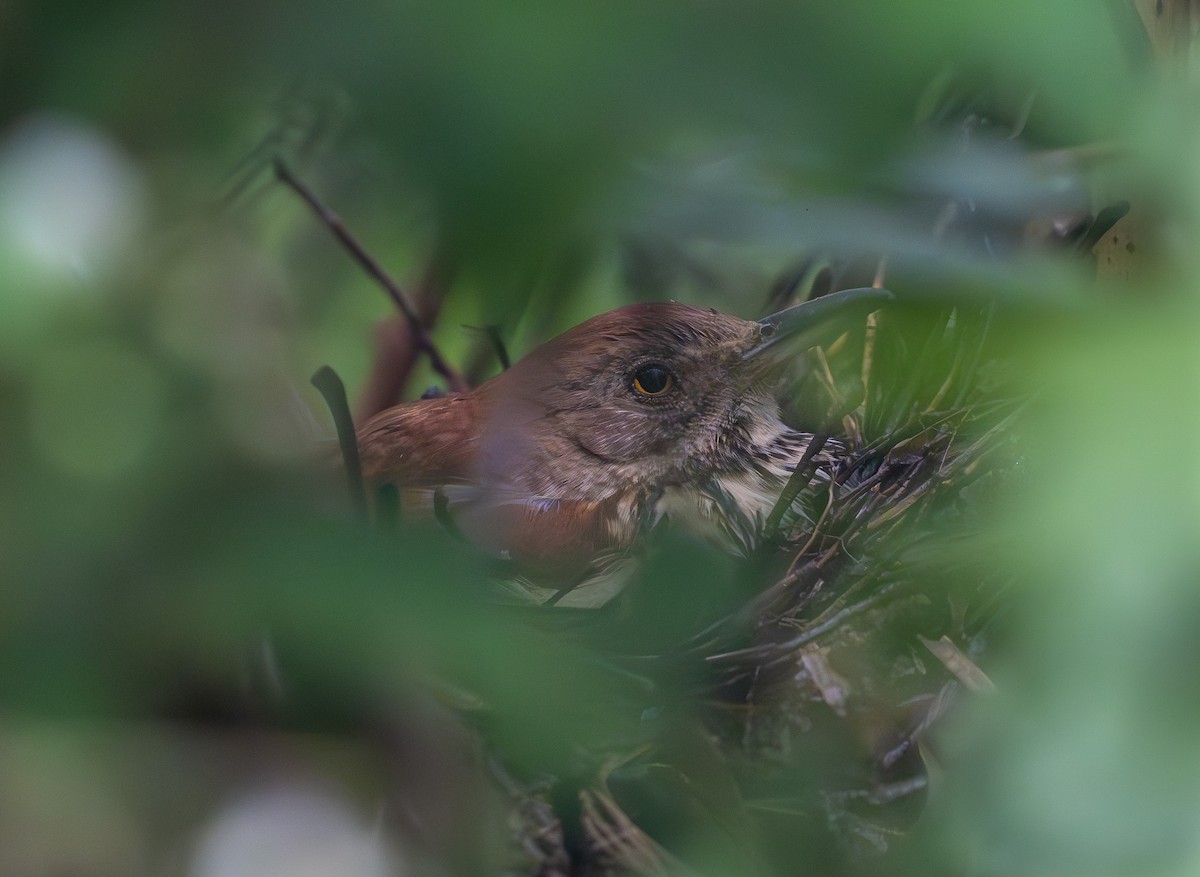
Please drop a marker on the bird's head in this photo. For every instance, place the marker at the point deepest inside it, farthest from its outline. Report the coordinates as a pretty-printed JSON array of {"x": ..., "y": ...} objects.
[{"x": 648, "y": 394}]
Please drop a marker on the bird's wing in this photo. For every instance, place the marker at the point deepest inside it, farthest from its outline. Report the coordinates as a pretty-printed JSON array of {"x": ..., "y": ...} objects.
[{"x": 430, "y": 442}]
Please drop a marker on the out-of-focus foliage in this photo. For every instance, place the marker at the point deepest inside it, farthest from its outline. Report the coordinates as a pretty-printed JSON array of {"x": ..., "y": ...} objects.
[{"x": 204, "y": 658}]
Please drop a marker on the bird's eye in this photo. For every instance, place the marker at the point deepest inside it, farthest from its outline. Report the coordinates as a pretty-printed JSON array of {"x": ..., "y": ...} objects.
[{"x": 652, "y": 380}]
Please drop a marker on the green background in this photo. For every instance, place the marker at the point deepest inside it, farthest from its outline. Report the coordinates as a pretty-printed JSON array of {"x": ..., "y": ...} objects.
[{"x": 163, "y": 302}]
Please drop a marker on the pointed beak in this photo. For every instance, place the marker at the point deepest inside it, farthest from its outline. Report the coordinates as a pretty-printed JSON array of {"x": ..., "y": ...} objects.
[{"x": 812, "y": 322}]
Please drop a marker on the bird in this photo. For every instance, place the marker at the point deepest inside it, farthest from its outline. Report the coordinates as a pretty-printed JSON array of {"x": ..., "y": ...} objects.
[{"x": 650, "y": 411}]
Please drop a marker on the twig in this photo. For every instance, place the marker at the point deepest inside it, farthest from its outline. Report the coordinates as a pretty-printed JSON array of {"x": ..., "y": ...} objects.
[
  {"x": 335, "y": 224},
  {"x": 799, "y": 479},
  {"x": 396, "y": 351},
  {"x": 868, "y": 355},
  {"x": 816, "y": 532},
  {"x": 835, "y": 621}
]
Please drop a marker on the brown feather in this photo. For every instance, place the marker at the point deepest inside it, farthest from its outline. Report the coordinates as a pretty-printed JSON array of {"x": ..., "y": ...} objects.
[{"x": 430, "y": 442}]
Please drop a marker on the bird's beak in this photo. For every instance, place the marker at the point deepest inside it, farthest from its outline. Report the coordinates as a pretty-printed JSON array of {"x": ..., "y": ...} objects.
[{"x": 812, "y": 322}]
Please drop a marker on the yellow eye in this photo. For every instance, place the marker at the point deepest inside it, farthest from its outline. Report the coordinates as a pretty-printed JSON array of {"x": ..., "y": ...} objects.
[{"x": 652, "y": 380}]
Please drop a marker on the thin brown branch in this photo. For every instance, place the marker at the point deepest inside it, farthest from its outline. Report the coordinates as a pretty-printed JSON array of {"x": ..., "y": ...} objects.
[
  {"x": 335, "y": 224},
  {"x": 396, "y": 352}
]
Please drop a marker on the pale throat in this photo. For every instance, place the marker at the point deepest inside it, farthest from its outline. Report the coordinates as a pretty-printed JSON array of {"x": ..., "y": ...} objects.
[{"x": 730, "y": 503}]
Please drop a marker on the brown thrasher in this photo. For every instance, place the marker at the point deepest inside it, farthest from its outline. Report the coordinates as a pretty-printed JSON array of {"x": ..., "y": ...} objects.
[{"x": 648, "y": 410}]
